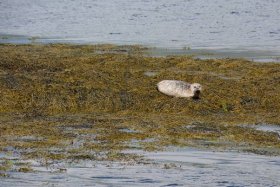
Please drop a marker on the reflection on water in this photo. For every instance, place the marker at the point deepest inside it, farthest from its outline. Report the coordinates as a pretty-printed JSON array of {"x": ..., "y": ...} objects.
[{"x": 180, "y": 168}]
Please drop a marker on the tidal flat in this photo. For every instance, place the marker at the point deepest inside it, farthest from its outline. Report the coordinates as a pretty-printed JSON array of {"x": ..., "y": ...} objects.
[{"x": 66, "y": 103}]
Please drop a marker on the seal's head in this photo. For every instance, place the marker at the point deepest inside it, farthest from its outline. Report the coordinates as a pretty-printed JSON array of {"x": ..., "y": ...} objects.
[{"x": 196, "y": 89}]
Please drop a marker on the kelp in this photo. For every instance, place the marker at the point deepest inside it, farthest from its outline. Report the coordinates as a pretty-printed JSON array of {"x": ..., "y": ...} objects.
[{"x": 61, "y": 101}]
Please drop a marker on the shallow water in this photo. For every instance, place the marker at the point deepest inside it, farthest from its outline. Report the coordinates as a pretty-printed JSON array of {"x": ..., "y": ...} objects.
[
  {"x": 187, "y": 167},
  {"x": 268, "y": 128},
  {"x": 251, "y": 24},
  {"x": 256, "y": 55}
]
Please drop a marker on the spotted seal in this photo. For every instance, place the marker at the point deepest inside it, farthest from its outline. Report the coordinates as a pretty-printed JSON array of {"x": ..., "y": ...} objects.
[{"x": 178, "y": 88}]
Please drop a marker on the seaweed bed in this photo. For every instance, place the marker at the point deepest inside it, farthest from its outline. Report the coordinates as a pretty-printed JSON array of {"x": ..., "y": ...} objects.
[{"x": 72, "y": 102}]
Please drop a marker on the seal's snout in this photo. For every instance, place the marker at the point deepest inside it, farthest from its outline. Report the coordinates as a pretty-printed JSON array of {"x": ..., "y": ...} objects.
[
  {"x": 196, "y": 90},
  {"x": 196, "y": 94}
]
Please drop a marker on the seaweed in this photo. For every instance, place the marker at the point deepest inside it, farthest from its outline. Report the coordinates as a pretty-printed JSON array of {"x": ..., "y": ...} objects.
[{"x": 74, "y": 99}]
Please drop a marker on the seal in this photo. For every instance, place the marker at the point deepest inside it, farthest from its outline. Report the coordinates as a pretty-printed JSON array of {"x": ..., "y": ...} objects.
[{"x": 178, "y": 88}]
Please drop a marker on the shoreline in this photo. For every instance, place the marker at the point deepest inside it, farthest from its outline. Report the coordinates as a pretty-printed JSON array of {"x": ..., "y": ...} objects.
[
  {"x": 190, "y": 166},
  {"x": 255, "y": 54}
]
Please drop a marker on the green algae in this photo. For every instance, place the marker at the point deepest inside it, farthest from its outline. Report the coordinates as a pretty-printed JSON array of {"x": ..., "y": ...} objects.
[{"x": 72, "y": 102}]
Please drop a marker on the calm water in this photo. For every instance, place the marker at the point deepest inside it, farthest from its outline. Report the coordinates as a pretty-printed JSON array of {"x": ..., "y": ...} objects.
[
  {"x": 179, "y": 168},
  {"x": 250, "y": 24}
]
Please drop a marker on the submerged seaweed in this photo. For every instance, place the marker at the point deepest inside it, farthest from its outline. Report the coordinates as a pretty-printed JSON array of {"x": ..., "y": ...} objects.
[{"x": 73, "y": 102}]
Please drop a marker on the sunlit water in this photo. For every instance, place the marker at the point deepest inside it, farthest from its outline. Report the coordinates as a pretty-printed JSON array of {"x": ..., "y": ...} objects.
[{"x": 180, "y": 168}]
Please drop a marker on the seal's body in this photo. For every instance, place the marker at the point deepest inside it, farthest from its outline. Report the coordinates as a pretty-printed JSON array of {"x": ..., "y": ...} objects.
[{"x": 179, "y": 88}]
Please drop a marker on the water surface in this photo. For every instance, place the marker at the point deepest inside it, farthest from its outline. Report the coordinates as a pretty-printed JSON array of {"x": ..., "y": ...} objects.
[
  {"x": 215, "y": 24},
  {"x": 187, "y": 167}
]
